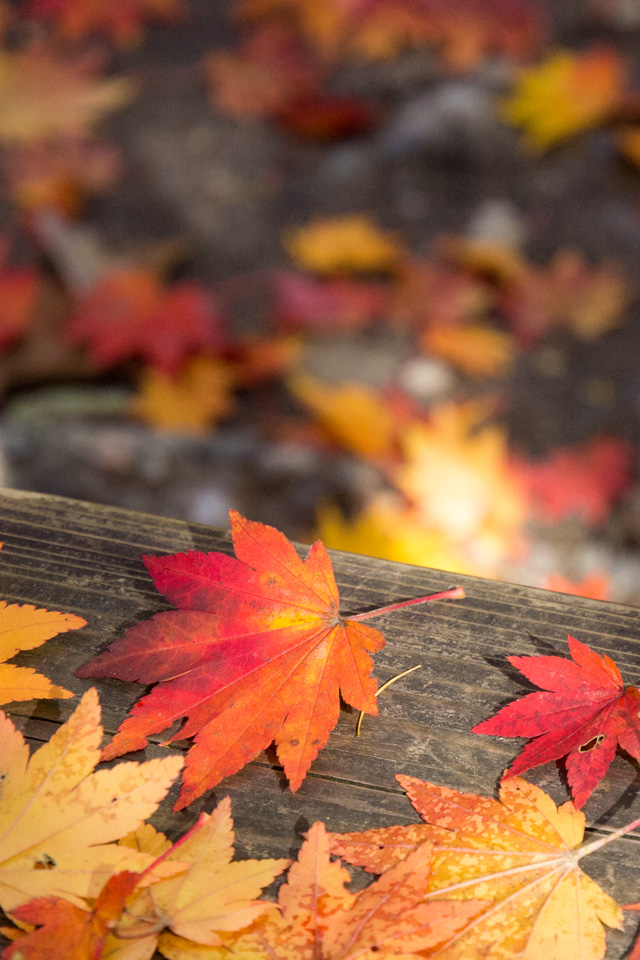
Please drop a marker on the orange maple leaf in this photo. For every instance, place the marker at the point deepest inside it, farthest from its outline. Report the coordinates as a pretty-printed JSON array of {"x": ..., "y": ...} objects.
[
  {"x": 190, "y": 402},
  {"x": 122, "y": 20},
  {"x": 42, "y": 97},
  {"x": 129, "y": 313},
  {"x": 23, "y": 628},
  {"x": 347, "y": 244},
  {"x": 566, "y": 94},
  {"x": 477, "y": 349},
  {"x": 521, "y": 854},
  {"x": 268, "y": 72},
  {"x": 257, "y": 652},
  {"x": 67, "y": 931},
  {"x": 320, "y": 918},
  {"x": 597, "y": 586}
]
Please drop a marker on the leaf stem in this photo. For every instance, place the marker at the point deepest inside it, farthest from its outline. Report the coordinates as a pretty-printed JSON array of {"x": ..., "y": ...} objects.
[
  {"x": 603, "y": 841},
  {"x": 455, "y": 594},
  {"x": 384, "y": 686}
]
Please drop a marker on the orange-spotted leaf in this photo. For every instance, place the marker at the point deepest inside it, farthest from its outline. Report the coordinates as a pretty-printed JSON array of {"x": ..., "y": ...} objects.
[
  {"x": 319, "y": 917},
  {"x": 121, "y": 20},
  {"x": 519, "y": 854},
  {"x": 42, "y": 97},
  {"x": 130, "y": 314},
  {"x": 583, "y": 713},
  {"x": 66, "y": 931},
  {"x": 23, "y": 627},
  {"x": 256, "y": 652},
  {"x": 58, "y": 817},
  {"x": 213, "y": 895}
]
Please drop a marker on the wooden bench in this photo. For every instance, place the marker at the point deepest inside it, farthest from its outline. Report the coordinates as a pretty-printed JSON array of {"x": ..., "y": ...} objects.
[{"x": 85, "y": 559}]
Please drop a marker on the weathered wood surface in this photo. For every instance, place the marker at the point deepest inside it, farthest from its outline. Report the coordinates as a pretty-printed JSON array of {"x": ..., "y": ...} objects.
[{"x": 85, "y": 559}]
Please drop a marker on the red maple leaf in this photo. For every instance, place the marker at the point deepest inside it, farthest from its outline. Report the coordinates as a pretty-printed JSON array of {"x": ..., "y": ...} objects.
[
  {"x": 256, "y": 652},
  {"x": 19, "y": 288},
  {"x": 122, "y": 20},
  {"x": 305, "y": 303},
  {"x": 129, "y": 313},
  {"x": 584, "y": 480},
  {"x": 583, "y": 714}
]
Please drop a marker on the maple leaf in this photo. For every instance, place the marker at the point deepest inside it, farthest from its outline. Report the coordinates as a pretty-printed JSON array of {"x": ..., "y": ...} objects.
[
  {"x": 265, "y": 75},
  {"x": 521, "y": 853},
  {"x": 347, "y": 244},
  {"x": 351, "y": 413},
  {"x": 58, "y": 817},
  {"x": 305, "y": 303},
  {"x": 433, "y": 294},
  {"x": 19, "y": 291},
  {"x": 122, "y": 20},
  {"x": 597, "y": 586},
  {"x": 257, "y": 651},
  {"x": 67, "y": 931},
  {"x": 42, "y": 97},
  {"x": 130, "y": 313},
  {"x": 191, "y": 401},
  {"x": 567, "y": 293},
  {"x": 584, "y": 480},
  {"x": 213, "y": 896},
  {"x": 320, "y": 919},
  {"x": 566, "y": 94},
  {"x": 583, "y": 714},
  {"x": 476, "y": 349},
  {"x": 23, "y": 628},
  {"x": 322, "y": 117}
]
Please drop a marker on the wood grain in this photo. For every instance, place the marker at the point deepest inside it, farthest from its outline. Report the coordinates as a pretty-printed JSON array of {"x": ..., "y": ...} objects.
[{"x": 85, "y": 559}]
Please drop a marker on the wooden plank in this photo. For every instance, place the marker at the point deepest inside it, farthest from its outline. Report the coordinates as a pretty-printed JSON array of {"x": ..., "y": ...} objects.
[{"x": 85, "y": 559}]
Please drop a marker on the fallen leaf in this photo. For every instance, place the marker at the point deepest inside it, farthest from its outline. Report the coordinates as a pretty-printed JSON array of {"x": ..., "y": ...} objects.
[
  {"x": 325, "y": 118},
  {"x": 19, "y": 292},
  {"x": 306, "y": 303},
  {"x": 257, "y": 360},
  {"x": 319, "y": 917},
  {"x": 129, "y": 313},
  {"x": 191, "y": 402},
  {"x": 566, "y": 94},
  {"x": 352, "y": 414},
  {"x": 520, "y": 853},
  {"x": 476, "y": 349},
  {"x": 268, "y": 72},
  {"x": 349, "y": 244},
  {"x": 257, "y": 652},
  {"x": 215, "y": 895},
  {"x": 121, "y": 20},
  {"x": 583, "y": 714},
  {"x": 429, "y": 293},
  {"x": 583, "y": 481},
  {"x": 23, "y": 628},
  {"x": 67, "y": 931},
  {"x": 597, "y": 586},
  {"x": 42, "y": 97},
  {"x": 457, "y": 473},
  {"x": 58, "y": 817}
]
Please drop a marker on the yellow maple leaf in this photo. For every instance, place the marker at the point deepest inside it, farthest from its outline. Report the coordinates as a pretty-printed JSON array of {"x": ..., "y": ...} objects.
[
  {"x": 351, "y": 413},
  {"x": 349, "y": 244},
  {"x": 58, "y": 817},
  {"x": 23, "y": 627},
  {"x": 456, "y": 471},
  {"x": 213, "y": 896},
  {"x": 42, "y": 97},
  {"x": 188, "y": 403},
  {"x": 476, "y": 349},
  {"x": 566, "y": 94},
  {"x": 388, "y": 529}
]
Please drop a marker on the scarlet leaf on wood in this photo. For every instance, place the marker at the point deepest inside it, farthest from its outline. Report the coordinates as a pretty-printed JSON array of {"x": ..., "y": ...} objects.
[
  {"x": 583, "y": 714},
  {"x": 257, "y": 652}
]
